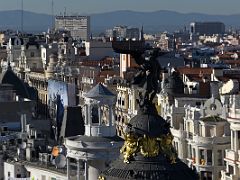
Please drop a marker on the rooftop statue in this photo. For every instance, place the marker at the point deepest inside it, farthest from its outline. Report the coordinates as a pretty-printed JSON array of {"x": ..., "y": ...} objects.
[{"x": 147, "y": 79}]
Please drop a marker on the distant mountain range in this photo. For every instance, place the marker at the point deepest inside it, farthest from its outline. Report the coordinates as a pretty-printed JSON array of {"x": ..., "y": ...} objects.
[
  {"x": 152, "y": 21},
  {"x": 33, "y": 22}
]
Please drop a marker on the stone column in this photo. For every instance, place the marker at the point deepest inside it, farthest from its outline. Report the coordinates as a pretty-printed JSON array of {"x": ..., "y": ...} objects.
[
  {"x": 86, "y": 170},
  {"x": 236, "y": 141},
  {"x": 86, "y": 114},
  {"x": 90, "y": 119},
  {"x": 232, "y": 142},
  {"x": 197, "y": 155},
  {"x": 134, "y": 101},
  {"x": 68, "y": 168},
  {"x": 78, "y": 169},
  {"x": 182, "y": 149},
  {"x": 110, "y": 115},
  {"x": 99, "y": 115},
  {"x": 89, "y": 114}
]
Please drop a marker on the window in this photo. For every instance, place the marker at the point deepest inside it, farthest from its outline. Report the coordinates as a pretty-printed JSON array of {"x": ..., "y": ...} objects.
[
  {"x": 76, "y": 81},
  {"x": 207, "y": 130},
  {"x": 193, "y": 153},
  {"x": 230, "y": 169},
  {"x": 95, "y": 115},
  {"x": 119, "y": 101},
  {"x": 18, "y": 175},
  {"x": 189, "y": 151},
  {"x": 120, "y": 133},
  {"x": 238, "y": 138},
  {"x": 212, "y": 131},
  {"x": 32, "y": 54},
  {"x": 209, "y": 157},
  {"x": 205, "y": 175},
  {"x": 202, "y": 158}
]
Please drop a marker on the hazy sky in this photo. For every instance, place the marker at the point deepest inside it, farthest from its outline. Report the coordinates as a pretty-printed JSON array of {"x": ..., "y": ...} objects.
[{"x": 95, "y": 6}]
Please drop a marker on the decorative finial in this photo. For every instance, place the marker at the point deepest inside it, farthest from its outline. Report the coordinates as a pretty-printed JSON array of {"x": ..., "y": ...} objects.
[{"x": 141, "y": 38}]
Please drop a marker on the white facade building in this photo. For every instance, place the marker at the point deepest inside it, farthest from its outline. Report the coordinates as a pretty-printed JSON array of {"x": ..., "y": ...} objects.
[
  {"x": 208, "y": 136},
  {"x": 79, "y": 26},
  {"x": 232, "y": 154},
  {"x": 200, "y": 130},
  {"x": 126, "y": 106}
]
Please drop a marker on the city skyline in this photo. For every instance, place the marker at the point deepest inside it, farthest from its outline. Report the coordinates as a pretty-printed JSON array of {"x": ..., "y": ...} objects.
[{"x": 95, "y": 6}]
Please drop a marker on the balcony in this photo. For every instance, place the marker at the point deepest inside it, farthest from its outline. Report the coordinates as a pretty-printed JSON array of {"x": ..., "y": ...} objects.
[
  {"x": 228, "y": 176},
  {"x": 211, "y": 140},
  {"x": 231, "y": 155},
  {"x": 234, "y": 114}
]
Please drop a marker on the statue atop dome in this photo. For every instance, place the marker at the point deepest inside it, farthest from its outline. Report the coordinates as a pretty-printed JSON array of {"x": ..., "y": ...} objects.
[
  {"x": 148, "y": 152},
  {"x": 147, "y": 79}
]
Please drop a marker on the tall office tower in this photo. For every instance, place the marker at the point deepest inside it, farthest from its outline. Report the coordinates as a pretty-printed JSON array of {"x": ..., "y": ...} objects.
[
  {"x": 79, "y": 26},
  {"x": 208, "y": 28}
]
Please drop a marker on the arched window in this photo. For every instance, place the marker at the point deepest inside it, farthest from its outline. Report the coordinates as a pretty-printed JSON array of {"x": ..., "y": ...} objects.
[{"x": 95, "y": 115}]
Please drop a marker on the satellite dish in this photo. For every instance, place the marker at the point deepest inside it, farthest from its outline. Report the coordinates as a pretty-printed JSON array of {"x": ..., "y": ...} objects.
[{"x": 60, "y": 161}]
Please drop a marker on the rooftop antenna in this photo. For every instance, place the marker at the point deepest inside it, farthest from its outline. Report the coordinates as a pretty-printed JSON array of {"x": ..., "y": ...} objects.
[
  {"x": 65, "y": 12},
  {"x": 53, "y": 27},
  {"x": 22, "y": 16}
]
